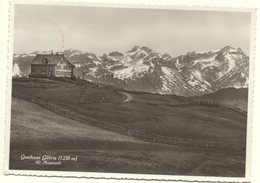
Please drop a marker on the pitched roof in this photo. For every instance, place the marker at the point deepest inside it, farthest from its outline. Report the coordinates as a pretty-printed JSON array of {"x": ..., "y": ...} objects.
[{"x": 52, "y": 59}]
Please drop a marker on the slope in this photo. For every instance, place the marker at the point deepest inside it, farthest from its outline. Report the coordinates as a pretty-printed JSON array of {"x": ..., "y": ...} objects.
[
  {"x": 151, "y": 113},
  {"x": 37, "y": 132},
  {"x": 228, "y": 96}
]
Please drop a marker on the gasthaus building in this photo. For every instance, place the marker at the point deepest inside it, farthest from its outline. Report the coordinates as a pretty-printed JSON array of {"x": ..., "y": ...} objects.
[{"x": 51, "y": 65}]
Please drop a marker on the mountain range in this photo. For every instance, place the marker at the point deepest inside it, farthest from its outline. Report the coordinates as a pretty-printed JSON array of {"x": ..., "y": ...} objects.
[{"x": 143, "y": 69}]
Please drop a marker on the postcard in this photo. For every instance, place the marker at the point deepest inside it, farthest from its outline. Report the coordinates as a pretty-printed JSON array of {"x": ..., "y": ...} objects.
[{"x": 131, "y": 92}]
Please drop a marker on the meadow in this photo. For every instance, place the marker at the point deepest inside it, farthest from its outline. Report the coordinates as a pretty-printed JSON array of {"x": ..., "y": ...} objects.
[{"x": 35, "y": 130}]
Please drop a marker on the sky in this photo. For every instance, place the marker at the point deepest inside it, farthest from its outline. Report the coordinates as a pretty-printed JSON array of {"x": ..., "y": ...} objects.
[{"x": 102, "y": 30}]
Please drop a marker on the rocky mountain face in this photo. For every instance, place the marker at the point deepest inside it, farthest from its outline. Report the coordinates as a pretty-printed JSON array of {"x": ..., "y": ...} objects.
[{"x": 143, "y": 69}]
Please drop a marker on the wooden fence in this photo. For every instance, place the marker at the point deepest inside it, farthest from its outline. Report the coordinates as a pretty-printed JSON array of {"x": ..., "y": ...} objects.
[
  {"x": 211, "y": 103},
  {"x": 149, "y": 137}
]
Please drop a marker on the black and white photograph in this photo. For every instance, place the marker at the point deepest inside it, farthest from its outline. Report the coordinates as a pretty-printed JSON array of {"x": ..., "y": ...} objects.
[{"x": 131, "y": 90}]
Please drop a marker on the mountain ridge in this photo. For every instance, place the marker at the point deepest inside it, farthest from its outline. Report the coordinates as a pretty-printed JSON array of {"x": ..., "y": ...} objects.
[{"x": 143, "y": 69}]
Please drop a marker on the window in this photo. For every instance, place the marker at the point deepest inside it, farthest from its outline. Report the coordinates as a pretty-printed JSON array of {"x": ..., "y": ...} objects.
[
  {"x": 44, "y": 68},
  {"x": 45, "y": 61},
  {"x": 43, "y": 73},
  {"x": 33, "y": 68},
  {"x": 58, "y": 67},
  {"x": 67, "y": 67}
]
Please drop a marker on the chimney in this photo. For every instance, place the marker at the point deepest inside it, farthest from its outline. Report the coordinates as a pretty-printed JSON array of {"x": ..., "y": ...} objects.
[{"x": 52, "y": 52}]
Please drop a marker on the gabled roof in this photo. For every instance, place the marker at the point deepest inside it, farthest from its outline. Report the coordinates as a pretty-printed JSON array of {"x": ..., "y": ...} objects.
[{"x": 52, "y": 59}]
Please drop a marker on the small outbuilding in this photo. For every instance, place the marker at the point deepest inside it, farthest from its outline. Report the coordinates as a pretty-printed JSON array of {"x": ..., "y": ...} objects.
[{"x": 51, "y": 65}]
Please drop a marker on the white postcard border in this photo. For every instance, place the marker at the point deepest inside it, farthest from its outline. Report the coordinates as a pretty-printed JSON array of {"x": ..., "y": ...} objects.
[{"x": 125, "y": 176}]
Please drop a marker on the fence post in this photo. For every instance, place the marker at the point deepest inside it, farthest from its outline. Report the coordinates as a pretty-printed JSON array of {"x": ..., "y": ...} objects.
[
  {"x": 154, "y": 139},
  {"x": 196, "y": 143}
]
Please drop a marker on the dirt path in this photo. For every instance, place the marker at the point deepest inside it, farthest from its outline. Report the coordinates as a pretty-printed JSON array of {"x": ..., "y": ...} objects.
[{"x": 129, "y": 97}]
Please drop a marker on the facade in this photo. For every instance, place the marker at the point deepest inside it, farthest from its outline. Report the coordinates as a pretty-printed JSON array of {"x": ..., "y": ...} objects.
[{"x": 51, "y": 65}]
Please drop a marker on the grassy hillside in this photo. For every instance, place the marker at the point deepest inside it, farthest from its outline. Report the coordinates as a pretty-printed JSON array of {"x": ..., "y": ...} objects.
[
  {"x": 157, "y": 99},
  {"x": 146, "y": 112},
  {"x": 37, "y": 131},
  {"x": 45, "y": 126},
  {"x": 67, "y": 92},
  {"x": 228, "y": 96}
]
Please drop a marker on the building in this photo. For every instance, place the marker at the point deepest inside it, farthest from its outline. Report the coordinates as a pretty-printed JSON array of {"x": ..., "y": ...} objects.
[{"x": 51, "y": 65}]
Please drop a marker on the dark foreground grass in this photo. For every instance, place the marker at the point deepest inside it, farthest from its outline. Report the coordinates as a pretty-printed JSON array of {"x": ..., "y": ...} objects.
[
  {"x": 37, "y": 131},
  {"x": 167, "y": 162}
]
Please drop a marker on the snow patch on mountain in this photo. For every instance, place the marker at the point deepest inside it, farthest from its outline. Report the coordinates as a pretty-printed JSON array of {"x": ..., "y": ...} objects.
[
  {"x": 97, "y": 62},
  {"x": 93, "y": 57},
  {"x": 172, "y": 81},
  {"x": 178, "y": 65},
  {"x": 194, "y": 82},
  {"x": 132, "y": 70},
  {"x": 16, "y": 71},
  {"x": 124, "y": 73},
  {"x": 197, "y": 75},
  {"x": 137, "y": 52},
  {"x": 210, "y": 59},
  {"x": 76, "y": 53},
  {"x": 207, "y": 51},
  {"x": 210, "y": 64},
  {"x": 126, "y": 59},
  {"x": 28, "y": 55},
  {"x": 232, "y": 59},
  {"x": 93, "y": 70}
]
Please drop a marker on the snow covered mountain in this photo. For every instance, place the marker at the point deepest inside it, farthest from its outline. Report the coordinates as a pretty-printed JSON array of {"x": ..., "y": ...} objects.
[
  {"x": 144, "y": 69},
  {"x": 212, "y": 70}
]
